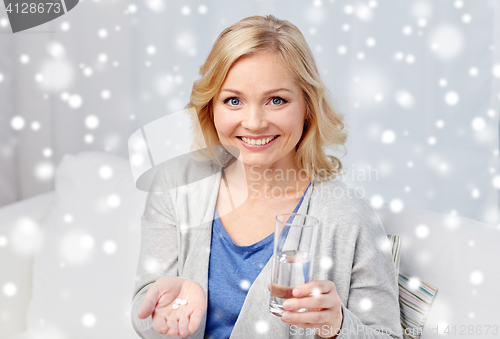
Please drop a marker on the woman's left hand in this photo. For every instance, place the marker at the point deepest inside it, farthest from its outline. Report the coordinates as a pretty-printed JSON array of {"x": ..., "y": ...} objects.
[{"x": 324, "y": 306}]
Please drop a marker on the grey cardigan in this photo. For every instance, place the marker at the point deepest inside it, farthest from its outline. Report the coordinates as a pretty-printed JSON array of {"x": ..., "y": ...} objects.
[{"x": 351, "y": 251}]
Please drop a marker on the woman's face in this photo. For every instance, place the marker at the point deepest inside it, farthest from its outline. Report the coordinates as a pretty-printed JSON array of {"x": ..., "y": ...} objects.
[{"x": 261, "y": 111}]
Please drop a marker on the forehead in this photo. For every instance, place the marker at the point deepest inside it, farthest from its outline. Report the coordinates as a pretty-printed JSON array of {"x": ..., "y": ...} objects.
[{"x": 262, "y": 67}]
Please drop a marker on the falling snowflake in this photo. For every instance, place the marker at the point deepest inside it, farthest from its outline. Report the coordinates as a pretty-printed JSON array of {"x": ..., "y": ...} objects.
[
  {"x": 113, "y": 200},
  {"x": 109, "y": 247},
  {"x": 245, "y": 284},
  {"x": 446, "y": 41},
  {"x": 9, "y": 289},
  {"x": 363, "y": 12},
  {"x": 326, "y": 263},
  {"x": 89, "y": 138},
  {"x": 24, "y": 58},
  {"x": 451, "y": 98},
  {"x": 496, "y": 70},
  {"x": 384, "y": 244},
  {"x": 202, "y": 9},
  {"x": 476, "y": 277},
  {"x": 65, "y": 26},
  {"x": 105, "y": 94},
  {"x": 91, "y": 122},
  {"x": 377, "y": 201},
  {"x": 105, "y": 172},
  {"x": 407, "y": 30},
  {"x": 56, "y": 49},
  {"x": 422, "y": 9},
  {"x": 156, "y": 5},
  {"x": 102, "y": 57},
  {"x": 262, "y": 326},
  {"x": 396, "y": 205},
  {"x": 74, "y": 247},
  {"x": 422, "y": 231},
  {"x": 88, "y": 320},
  {"x": 26, "y": 236},
  {"x": 478, "y": 124},
  {"x": 44, "y": 170},
  {"x": 151, "y": 50},
  {"x": 68, "y": 218},
  {"x": 388, "y": 137},
  {"x": 17, "y": 123},
  {"x": 132, "y": 8},
  {"x": 405, "y": 99},
  {"x": 365, "y": 304},
  {"x": 87, "y": 242},
  {"x": 152, "y": 265},
  {"x": 75, "y": 101},
  {"x": 35, "y": 126}
]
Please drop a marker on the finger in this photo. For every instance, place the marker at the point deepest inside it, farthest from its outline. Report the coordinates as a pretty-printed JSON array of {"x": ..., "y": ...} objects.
[
  {"x": 183, "y": 325},
  {"x": 327, "y": 332},
  {"x": 168, "y": 290},
  {"x": 307, "y": 325},
  {"x": 313, "y": 318},
  {"x": 173, "y": 328},
  {"x": 314, "y": 287},
  {"x": 281, "y": 291},
  {"x": 313, "y": 302},
  {"x": 195, "y": 320},
  {"x": 149, "y": 303},
  {"x": 159, "y": 323}
]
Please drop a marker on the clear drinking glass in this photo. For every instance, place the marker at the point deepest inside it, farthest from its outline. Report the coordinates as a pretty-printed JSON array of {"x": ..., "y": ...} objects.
[{"x": 294, "y": 243}]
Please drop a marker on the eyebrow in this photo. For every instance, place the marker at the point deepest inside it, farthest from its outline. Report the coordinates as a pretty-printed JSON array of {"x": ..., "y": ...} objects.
[{"x": 265, "y": 93}]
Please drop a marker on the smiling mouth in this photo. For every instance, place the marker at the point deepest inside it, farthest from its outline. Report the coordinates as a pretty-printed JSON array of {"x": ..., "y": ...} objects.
[{"x": 258, "y": 142}]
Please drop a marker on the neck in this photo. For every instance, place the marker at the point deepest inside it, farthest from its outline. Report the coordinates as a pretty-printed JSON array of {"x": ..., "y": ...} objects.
[{"x": 287, "y": 178}]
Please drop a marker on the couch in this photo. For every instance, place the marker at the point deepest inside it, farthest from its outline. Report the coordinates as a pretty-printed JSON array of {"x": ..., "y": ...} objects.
[{"x": 68, "y": 259}]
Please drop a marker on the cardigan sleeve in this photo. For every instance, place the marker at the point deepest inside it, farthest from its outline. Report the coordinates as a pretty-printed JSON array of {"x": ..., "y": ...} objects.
[
  {"x": 157, "y": 256},
  {"x": 372, "y": 308}
]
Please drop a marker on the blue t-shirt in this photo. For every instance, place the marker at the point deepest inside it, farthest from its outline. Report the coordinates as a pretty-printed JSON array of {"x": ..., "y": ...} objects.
[{"x": 231, "y": 271}]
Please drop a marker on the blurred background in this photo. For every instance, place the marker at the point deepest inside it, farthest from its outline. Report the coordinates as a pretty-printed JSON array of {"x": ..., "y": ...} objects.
[{"x": 418, "y": 82}]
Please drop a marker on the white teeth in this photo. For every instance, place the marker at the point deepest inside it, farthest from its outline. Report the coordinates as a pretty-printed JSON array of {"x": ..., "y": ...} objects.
[{"x": 257, "y": 141}]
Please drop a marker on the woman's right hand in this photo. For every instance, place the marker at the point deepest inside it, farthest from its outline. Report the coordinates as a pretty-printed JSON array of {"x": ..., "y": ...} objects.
[{"x": 159, "y": 300}]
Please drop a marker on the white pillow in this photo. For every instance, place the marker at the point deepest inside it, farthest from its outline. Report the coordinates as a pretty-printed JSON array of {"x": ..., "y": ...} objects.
[
  {"x": 84, "y": 271},
  {"x": 457, "y": 255}
]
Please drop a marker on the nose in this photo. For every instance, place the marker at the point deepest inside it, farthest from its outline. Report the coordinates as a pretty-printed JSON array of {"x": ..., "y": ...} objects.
[{"x": 254, "y": 118}]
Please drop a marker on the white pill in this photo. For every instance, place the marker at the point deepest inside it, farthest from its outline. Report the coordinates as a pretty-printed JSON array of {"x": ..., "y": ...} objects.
[
  {"x": 178, "y": 301},
  {"x": 175, "y": 306},
  {"x": 184, "y": 302}
]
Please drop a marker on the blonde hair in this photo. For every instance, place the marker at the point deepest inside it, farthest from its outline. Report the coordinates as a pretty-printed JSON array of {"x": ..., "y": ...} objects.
[{"x": 323, "y": 126}]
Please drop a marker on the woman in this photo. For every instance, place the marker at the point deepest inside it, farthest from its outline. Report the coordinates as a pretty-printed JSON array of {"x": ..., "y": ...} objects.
[{"x": 210, "y": 243}]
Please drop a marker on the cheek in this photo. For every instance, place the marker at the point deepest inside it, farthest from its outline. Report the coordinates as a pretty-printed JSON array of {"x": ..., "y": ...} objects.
[
  {"x": 223, "y": 124},
  {"x": 294, "y": 124}
]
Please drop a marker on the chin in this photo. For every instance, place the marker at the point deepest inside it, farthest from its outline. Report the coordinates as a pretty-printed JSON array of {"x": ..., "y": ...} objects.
[{"x": 257, "y": 160}]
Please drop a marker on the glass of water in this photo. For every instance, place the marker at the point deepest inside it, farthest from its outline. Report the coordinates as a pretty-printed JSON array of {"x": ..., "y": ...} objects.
[{"x": 294, "y": 243}]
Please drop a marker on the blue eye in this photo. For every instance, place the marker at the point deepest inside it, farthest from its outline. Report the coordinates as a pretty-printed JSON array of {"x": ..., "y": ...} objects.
[
  {"x": 278, "y": 100},
  {"x": 234, "y": 101}
]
